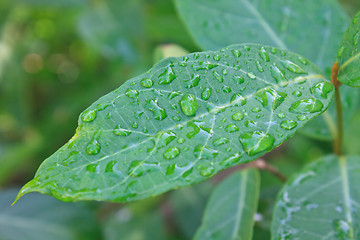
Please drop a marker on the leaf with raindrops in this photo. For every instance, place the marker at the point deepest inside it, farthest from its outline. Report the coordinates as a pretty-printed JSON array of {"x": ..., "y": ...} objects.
[
  {"x": 216, "y": 24},
  {"x": 183, "y": 121},
  {"x": 229, "y": 214},
  {"x": 320, "y": 202},
  {"x": 349, "y": 55}
]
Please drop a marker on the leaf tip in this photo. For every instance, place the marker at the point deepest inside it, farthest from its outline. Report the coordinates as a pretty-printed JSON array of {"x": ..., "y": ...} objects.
[{"x": 27, "y": 188}]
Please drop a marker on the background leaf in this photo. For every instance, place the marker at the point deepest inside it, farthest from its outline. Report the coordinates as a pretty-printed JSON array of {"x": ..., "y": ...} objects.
[
  {"x": 230, "y": 211},
  {"x": 38, "y": 217},
  {"x": 184, "y": 120},
  {"x": 188, "y": 205},
  {"x": 320, "y": 202},
  {"x": 216, "y": 24},
  {"x": 349, "y": 55}
]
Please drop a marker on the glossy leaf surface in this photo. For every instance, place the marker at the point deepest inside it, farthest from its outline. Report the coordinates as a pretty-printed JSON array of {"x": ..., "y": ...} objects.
[
  {"x": 229, "y": 214},
  {"x": 320, "y": 202},
  {"x": 39, "y": 217},
  {"x": 183, "y": 121},
  {"x": 349, "y": 55},
  {"x": 216, "y": 24}
]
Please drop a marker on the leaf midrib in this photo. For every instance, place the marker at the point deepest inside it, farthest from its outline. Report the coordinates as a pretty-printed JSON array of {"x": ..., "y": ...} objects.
[{"x": 346, "y": 193}]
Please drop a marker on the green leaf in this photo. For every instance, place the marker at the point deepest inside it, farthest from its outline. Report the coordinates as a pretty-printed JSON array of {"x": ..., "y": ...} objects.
[
  {"x": 230, "y": 211},
  {"x": 126, "y": 224},
  {"x": 188, "y": 205},
  {"x": 184, "y": 120},
  {"x": 320, "y": 202},
  {"x": 39, "y": 217},
  {"x": 349, "y": 54},
  {"x": 216, "y": 24}
]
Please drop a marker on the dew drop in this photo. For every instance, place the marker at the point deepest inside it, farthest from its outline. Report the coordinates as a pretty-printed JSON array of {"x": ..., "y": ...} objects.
[
  {"x": 259, "y": 67},
  {"x": 218, "y": 76},
  {"x": 133, "y": 94},
  {"x": 188, "y": 105},
  {"x": 172, "y": 95},
  {"x": 303, "y": 60},
  {"x": 297, "y": 93},
  {"x": 236, "y": 52},
  {"x": 239, "y": 79},
  {"x": 88, "y": 115},
  {"x": 322, "y": 89},
  {"x": 159, "y": 112},
  {"x": 238, "y": 116},
  {"x": 277, "y": 74},
  {"x": 269, "y": 97},
  {"x": 231, "y": 128},
  {"x": 235, "y": 158},
  {"x": 171, "y": 153},
  {"x": 288, "y": 124},
  {"x": 292, "y": 67},
  {"x": 93, "y": 147},
  {"x": 193, "y": 81},
  {"x": 207, "y": 171},
  {"x": 146, "y": 82},
  {"x": 264, "y": 54},
  {"x": 206, "y": 93},
  {"x": 167, "y": 76},
  {"x": 251, "y": 75},
  {"x": 309, "y": 105},
  {"x": 256, "y": 142},
  {"x": 302, "y": 117},
  {"x": 226, "y": 89},
  {"x": 217, "y": 57},
  {"x": 220, "y": 141}
]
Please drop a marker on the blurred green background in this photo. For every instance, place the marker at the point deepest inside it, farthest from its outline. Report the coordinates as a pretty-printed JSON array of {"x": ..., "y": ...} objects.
[{"x": 56, "y": 58}]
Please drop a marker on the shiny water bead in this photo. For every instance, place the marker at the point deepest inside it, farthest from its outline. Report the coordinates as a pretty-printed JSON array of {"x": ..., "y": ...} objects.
[
  {"x": 188, "y": 105},
  {"x": 256, "y": 142},
  {"x": 88, "y": 116},
  {"x": 146, "y": 82},
  {"x": 310, "y": 105}
]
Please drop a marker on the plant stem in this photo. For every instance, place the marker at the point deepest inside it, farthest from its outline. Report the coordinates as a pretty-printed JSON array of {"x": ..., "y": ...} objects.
[
  {"x": 338, "y": 141},
  {"x": 262, "y": 164}
]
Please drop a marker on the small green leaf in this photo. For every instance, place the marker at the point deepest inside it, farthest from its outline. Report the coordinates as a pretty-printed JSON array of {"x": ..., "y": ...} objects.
[
  {"x": 349, "y": 54},
  {"x": 229, "y": 214},
  {"x": 144, "y": 139},
  {"x": 320, "y": 202},
  {"x": 39, "y": 217}
]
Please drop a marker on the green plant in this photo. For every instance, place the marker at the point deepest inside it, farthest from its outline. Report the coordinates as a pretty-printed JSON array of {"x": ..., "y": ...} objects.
[{"x": 189, "y": 117}]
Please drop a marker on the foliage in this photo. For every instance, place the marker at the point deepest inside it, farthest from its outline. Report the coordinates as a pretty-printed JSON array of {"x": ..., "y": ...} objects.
[{"x": 232, "y": 81}]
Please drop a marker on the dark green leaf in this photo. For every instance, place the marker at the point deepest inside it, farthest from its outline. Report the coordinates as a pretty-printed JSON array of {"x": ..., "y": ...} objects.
[
  {"x": 183, "y": 121},
  {"x": 349, "y": 55},
  {"x": 188, "y": 205},
  {"x": 230, "y": 211},
  {"x": 320, "y": 202},
  {"x": 128, "y": 225},
  {"x": 38, "y": 217}
]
